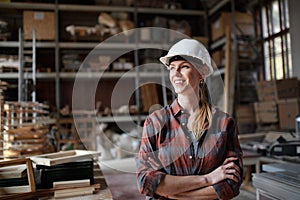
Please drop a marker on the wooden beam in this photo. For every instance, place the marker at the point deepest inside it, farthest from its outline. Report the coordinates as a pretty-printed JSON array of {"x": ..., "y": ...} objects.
[{"x": 227, "y": 68}]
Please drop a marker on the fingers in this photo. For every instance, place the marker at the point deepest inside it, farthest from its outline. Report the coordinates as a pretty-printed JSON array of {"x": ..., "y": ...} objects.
[
  {"x": 233, "y": 174},
  {"x": 229, "y": 159},
  {"x": 232, "y": 165},
  {"x": 232, "y": 170}
]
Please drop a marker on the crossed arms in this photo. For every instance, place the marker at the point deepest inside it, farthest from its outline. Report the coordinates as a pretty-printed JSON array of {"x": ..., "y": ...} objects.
[{"x": 196, "y": 186}]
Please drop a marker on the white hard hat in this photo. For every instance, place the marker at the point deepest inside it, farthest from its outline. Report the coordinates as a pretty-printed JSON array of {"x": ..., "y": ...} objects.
[{"x": 190, "y": 50}]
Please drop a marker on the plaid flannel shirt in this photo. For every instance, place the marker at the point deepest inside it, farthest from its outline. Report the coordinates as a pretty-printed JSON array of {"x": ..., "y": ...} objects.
[{"x": 167, "y": 140}]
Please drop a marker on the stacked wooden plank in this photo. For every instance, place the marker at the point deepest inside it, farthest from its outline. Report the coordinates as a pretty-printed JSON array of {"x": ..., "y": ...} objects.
[
  {"x": 3, "y": 87},
  {"x": 278, "y": 104},
  {"x": 25, "y": 129},
  {"x": 68, "y": 173},
  {"x": 65, "y": 175}
]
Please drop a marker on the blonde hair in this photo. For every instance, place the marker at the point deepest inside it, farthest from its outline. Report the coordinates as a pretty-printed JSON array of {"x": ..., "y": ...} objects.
[{"x": 202, "y": 117}]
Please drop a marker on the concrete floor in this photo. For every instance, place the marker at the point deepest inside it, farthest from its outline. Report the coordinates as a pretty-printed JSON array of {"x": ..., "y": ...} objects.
[{"x": 121, "y": 181}]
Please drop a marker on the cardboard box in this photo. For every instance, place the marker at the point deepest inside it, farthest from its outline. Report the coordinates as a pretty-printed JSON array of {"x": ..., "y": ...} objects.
[
  {"x": 244, "y": 24},
  {"x": 279, "y": 89},
  {"x": 42, "y": 22},
  {"x": 287, "y": 88},
  {"x": 288, "y": 109},
  {"x": 266, "y": 112}
]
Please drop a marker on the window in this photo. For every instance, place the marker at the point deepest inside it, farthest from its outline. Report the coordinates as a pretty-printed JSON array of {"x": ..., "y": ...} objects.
[{"x": 276, "y": 40}]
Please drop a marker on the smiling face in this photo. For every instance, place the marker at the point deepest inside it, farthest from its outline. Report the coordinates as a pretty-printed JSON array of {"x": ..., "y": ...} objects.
[{"x": 184, "y": 77}]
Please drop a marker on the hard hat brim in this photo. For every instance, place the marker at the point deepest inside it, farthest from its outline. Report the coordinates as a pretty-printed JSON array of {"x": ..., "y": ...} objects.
[{"x": 166, "y": 59}]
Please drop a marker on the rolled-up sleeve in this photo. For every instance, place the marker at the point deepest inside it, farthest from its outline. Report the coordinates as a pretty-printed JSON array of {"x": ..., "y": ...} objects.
[
  {"x": 228, "y": 189},
  {"x": 147, "y": 178}
]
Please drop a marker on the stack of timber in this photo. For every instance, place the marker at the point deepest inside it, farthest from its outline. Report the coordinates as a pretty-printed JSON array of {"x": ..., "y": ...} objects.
[
  {"x": 3, "y": 87},
  {"x": 16, "y": 177},
  {"x": 30, "y": 184},
  {"x": 25, "y": 129}
]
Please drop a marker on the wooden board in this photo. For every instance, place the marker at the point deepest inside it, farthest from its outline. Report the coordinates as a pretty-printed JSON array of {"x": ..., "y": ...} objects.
[
  {"x": 64, "y": 157},
  {"x": 17, "y": 171}
]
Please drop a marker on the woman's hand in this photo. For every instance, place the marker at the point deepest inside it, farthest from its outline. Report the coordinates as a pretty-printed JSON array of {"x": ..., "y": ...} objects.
[{"x": 228, "y": 170}]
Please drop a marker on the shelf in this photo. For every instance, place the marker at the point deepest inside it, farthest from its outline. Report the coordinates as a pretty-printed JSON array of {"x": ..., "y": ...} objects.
[
  {"x": 94, "y": 8},
  {"x": 170, "y": 11},
  {"x": 127, "y": 47},
  {"x": 125, "y": 118},
  {"x": 73, "y": 75},
  {"x": 99, "y": 8},
  {"x": 24, "y": 6},
  {"x": 39, "y": 75},
  {"x": 218, "y": 43},
  {"x": 15, "y": 44},
  {"x": 85, "y": 45},
  {"x": 109, "y": 75},
  {"x": 91, "y": 45}
]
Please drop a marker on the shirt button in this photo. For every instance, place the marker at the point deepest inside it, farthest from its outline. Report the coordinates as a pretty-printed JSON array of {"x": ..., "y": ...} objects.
[
  {"x": 190, "y": 157},
  {"x": 183, "y": 124}
]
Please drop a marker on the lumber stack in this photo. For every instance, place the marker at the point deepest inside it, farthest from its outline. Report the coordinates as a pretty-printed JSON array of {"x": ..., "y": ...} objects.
[
  {"x": 25, "y": 129},
  {"x": 61, "y": 175},
  {"x": 3, "y": 87}
]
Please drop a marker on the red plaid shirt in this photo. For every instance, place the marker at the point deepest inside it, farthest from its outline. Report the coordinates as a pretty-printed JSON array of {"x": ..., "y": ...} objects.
[{"x": 167, "y": 140}]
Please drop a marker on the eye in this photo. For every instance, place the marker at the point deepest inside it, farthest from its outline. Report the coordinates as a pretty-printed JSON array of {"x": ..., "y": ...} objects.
[
  {"x": 185, "y": 66},
  {"x": 171, "y": 68}
]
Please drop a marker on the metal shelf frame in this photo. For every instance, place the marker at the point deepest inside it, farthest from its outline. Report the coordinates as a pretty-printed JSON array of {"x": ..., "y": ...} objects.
[{"x": 57, "y": 45}]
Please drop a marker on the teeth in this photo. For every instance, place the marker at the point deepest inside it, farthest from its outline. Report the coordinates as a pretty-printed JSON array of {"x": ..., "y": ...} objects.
[{"x": 178, "y": 82}]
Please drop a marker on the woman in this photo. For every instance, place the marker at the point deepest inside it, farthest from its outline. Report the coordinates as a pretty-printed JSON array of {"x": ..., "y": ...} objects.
[{"x": 189, "y": 149}]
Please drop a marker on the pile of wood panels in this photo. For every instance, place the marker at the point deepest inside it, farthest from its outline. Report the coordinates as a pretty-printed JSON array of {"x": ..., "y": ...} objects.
[
  {"x": 25, "y": 129},
  {"x": 58, "y": 177},
  {"x": 3, "y": 87}
]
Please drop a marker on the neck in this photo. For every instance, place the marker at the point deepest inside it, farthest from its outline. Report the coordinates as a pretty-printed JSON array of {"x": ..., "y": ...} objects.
[{"x": 188, "y": 103}]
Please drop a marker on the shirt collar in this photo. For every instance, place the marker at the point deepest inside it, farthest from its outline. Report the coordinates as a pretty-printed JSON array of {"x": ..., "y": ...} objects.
[{"x": 175, "y": 107}]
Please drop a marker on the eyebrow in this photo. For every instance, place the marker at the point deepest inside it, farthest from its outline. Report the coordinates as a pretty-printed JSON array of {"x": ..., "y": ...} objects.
[{"x": 183, "y": 61}]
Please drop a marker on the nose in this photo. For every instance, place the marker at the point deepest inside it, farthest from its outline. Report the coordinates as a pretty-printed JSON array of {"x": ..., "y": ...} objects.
[{"x": 177, "y": 72}]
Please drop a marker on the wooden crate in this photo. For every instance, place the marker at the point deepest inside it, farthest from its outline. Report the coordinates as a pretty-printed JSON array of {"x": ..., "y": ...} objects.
[
  {"x": 279, "y": 89},
  {"x": 287, "y": 88},
  {"x": 288, "y": 109},
  {"x": 266, "y": 112},
  {"x": 266, "y": 91},
  {"x": 42, "y": 22}
]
